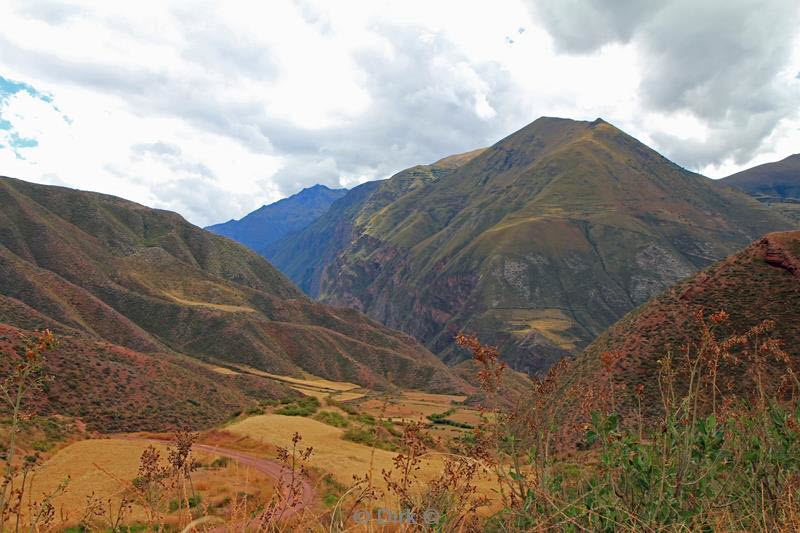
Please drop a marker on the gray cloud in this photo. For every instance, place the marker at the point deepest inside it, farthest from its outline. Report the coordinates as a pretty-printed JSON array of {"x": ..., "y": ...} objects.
[
  {"x": 420, "y": 112},
  {"x": 220, "y": 49},
  {"x": 159, "y": 148},
  {"x": 717, "y": 59},
  {"x": 424, "y": 98},
  {"x": 49, "y": 11},
  {"x": 170, "y": 155}
]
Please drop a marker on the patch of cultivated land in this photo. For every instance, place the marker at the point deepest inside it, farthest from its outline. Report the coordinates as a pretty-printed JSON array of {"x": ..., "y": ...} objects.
[
  {"x": 105, "y": 466},
  {"x": 334, "y": 455},
  {"x": 416, "y": 406},
  {"x": 311, "y": 385}
]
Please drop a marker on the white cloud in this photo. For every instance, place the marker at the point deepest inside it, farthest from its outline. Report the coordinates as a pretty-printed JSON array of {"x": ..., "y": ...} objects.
[{"x": 213, "y": 108}]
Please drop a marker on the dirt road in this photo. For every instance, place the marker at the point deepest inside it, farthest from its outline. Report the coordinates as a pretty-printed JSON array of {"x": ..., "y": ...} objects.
[{"x": 305, "y": 494}]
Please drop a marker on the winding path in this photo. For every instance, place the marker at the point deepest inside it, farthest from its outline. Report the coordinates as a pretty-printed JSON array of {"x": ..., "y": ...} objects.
[{"x": 273, "y": 469}]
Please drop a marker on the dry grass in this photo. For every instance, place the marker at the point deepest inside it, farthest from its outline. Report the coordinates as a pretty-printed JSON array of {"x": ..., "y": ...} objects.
[
  {"x": 85, "y": 462},
  {"x": 343, "y": 396},
  {"x": 315, "y": 382},
  {"x": 435, "y": 399},
  {"x": 310, "y": 381},
  {"x": 332, "y": 454},
  {"x": 550, "y": 323},
  {"x": 416, "y": 406},
  {"x": 224, "y": 371},
  {"x": 105, "y": 467},
  {"x": 218, "y": 307},
  {"x": 347, "y": 396}
]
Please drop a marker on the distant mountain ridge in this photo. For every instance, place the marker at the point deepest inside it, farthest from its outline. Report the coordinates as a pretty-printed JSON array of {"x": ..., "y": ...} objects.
[
  {"x": 271, "y": 222},
  {"x": 776, "y": 184},
  {"x": 136, "y": 289},
  {"x": 537, "y": 244}
]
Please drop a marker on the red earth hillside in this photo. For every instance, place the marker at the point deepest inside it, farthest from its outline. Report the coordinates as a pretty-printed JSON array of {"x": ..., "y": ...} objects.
[{"x": 761, "y": 282}]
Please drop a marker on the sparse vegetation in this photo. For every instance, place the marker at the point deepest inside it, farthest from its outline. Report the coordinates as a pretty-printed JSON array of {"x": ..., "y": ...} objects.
[
  {"x": 570, "y": 456},
  {"x": 712, "y": 460},
  {"x": 375, "y": 437},
  {"x": 441, "y": 418},
  {"x": 303, "y": 406},
  {"x": 26, "y": 378},
  {"x": 332, "y": 418},
  {"x": 346, "y": 407},
  {"x": 220, "y": 462}
]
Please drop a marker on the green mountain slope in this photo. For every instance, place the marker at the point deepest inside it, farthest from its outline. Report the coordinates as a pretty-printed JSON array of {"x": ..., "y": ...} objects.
[
  {"x": 537, "y": 243},
  {"x": 776, "y": 184},
  {"x": 106, "y": 269}
]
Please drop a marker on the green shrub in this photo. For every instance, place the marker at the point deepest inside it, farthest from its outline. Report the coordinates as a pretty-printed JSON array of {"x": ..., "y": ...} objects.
[
  {"x": 332, "y": 418},
  {"x": 369, "y": 437},
  {"x": 441, "y": 418},
  {"x": 180, "y": 503},
  {"x": 220, "y": 462},
  {"x": 363, "y": 418},
  {"x": 347, "y": 408},
  {"x": 305, "y": 406},
  {"x": 42, "y": 446}
]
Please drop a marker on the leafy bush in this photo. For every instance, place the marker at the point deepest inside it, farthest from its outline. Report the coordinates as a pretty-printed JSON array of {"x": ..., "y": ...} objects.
[
  {"x": 220, "y": 462},
  {"x": 347, "y": 408},
  {"x": 180, "y": 503},
  {"x": 332, "y": 418},
  {"x": 305, "y": 406},
  {"x": 369, "y": 436},
  {"x": 363, "y": 418},
  {"x": 42, "y": 445},
  {"x": 441, "y": 418}
]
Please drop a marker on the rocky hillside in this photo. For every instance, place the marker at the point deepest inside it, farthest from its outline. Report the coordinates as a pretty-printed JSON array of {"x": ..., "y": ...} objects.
[
  {"x": 758, "y": 283},
  {"x": 776, "y": 184},
  {"x": 537, "y": 244},
  {"x": 271, "y": 222},
  {"x": 128, "y": 278},
  {"x": 113, "y": 388}
]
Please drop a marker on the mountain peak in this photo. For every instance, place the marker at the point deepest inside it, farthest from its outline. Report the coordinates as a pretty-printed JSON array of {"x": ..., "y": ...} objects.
[
  {"x": 537, "y": 244},
  {"x": 271, "y": 221},
  {"x": 316, "y": 188},
  {"x": 776, "y": 184}
]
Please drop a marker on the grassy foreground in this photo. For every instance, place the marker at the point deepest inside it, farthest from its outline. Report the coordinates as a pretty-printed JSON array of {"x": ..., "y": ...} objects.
[{"x": 574, "y": 454}]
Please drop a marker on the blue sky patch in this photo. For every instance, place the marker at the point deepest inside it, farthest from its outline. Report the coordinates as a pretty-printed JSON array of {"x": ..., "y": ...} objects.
[
  {"x": 9, "y": 87},
  {"x": 12, "y": 139},
  {"x": 21, "y": 142}
]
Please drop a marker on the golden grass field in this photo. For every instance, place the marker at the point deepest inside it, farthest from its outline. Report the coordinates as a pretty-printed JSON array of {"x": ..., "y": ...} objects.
[
  {"x": 310, "y": 386},
  {"x": 416, "y": 405},
  {"x": 314, "y": 382},
  {"x": 340, "y": 458},
  {"x": 104, "y": 467}
]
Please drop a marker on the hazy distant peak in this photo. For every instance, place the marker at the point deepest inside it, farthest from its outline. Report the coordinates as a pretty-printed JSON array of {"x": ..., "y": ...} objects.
[{"x": 272, "y": 221}]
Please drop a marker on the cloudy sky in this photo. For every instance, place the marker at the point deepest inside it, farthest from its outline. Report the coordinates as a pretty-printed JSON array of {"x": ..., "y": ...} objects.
[{"x": 212, "y": 109}]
